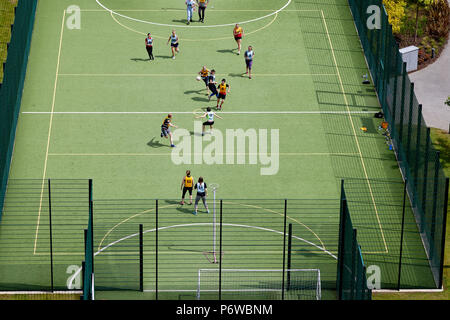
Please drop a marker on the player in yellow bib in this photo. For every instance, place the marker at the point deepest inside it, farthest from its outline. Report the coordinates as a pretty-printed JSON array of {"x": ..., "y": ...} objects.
[
  {"x": 203, "y": 73},
  {"x": 223, "y": 89},
  {"x": 187, "y": 185},
  {"x": 238, "y": 33}
]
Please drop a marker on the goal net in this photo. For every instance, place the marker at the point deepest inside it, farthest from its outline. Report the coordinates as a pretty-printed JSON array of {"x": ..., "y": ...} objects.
[{"x": 299, "y": 284}]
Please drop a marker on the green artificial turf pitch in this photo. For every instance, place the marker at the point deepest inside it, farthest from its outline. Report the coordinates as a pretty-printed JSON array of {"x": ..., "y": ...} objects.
[{"x": 93, "y": 104}]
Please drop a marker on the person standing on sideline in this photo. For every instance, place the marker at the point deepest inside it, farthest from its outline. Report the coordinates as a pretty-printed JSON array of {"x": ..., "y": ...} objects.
[
  {"x": 190, "y": 6},
  {"x": 223, "y": 86},
  {"x": 212, "y": 84},
  {"x": 202, "y": 193},
  {"x": 249, "y": 54},
  {"x": 173, "y": 39},
  {"x": 149, "y": 46},
  {"x": 209, "y": 115},
  {"x": 165, "y": 128},
  {"x": 238, "y": 33},
  {"x": 187, "y": 185},
  {"x": 202, "y": 4}
]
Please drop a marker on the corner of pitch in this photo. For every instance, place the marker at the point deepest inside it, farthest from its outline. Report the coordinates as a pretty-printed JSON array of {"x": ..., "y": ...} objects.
[{"x": 235, "y": 146}]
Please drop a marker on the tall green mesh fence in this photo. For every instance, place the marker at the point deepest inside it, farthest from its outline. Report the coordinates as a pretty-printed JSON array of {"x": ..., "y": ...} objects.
[
  {"x": 41, "y": 234},
  {"x": 351, "y": 275},
  {"x": 417, "y": 158},
  {"x": 88, "y": 265},
  {"x": 12, "y": 85}
]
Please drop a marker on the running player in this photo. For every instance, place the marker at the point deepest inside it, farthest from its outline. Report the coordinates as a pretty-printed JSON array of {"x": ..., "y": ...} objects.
[
  {"x": 202, "y": 4},
  {"x": 203, "y": 73},
  {"x": 190, "y": 6},
  {"x": 149, "y": 46},
  {"x": 209, "y": 115},
  {"x": 165, "y": 128},
  {"x": 202, "y": 193},
  {"x": 173, "y": 39},
  {"x": 186, "y": 185},
  {"x": 212, "y": 84},
  {"x": 238, "y": 33},
  {"x": 223, "y": 86},
  {"x": 249, "y": 54}
]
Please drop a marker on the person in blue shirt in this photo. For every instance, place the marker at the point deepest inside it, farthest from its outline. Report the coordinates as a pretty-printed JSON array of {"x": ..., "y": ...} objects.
[
  {"x": 249, "y": 54},
  {"x": 173, "y": 39}
]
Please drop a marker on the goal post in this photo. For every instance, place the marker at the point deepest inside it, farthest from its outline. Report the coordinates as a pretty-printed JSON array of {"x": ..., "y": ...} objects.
[{"x": 261, "y": 284}]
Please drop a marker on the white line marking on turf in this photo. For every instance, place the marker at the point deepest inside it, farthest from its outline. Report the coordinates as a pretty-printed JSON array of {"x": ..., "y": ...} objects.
[
  {"x": 193, "y": 40},
  {"x": 209, "y": 224},
  {"x": 49, "y": 129},
  {"x": 354, "y": 130},
  {"x": 186, "y": 74},
  {"x": 186, "y": 26},
  {"x": 168, "y": 154},
  {"x": 190, "y": 112},
  {"x": 209, "y": 10}
]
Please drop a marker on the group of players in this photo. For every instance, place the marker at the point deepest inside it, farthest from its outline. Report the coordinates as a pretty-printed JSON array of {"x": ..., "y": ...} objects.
[
  {"x": 187, "y": 185},
  {"x": 219, "y": 90}
]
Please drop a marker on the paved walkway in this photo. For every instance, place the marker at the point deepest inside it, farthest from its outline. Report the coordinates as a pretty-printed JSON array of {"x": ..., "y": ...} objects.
[{"x": 432, "y": 87}]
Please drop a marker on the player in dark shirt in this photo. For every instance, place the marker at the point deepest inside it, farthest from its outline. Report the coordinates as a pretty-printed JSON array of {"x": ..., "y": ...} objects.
[
  {"x": 165, "y": 128},
  {"x": 212, "y": 84},
  {"x": 149, "y": 46}
]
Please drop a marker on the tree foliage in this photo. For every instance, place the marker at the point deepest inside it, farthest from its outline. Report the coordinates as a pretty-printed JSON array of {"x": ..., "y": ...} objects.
[{"x": 396, "y": 12}]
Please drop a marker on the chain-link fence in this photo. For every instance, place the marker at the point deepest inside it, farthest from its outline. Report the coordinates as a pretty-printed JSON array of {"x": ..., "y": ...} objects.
[
  {"x": 13, "y": 81},
  {"x": 417, "y": 158}
]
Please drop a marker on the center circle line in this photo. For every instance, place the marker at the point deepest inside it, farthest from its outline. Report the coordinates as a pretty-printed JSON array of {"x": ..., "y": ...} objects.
[{"x": 182, "y": 26}]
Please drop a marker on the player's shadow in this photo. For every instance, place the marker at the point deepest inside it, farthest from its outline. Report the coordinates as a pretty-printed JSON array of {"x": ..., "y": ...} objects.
[
  {"x": 184, "y": 21},
  {"x": 199, "y": 91},
  {"x": 193, "y": 133},
  {"x": 156, "y": 144},
  {"x": 237, "y": 75},
  {"x": 226, "y": 51},
  {"x": 200, "y": 99},
  {"x": 139, "y": 59},
  {"x": 164, "y": 57},
  {"x": 188, "y": 209}
]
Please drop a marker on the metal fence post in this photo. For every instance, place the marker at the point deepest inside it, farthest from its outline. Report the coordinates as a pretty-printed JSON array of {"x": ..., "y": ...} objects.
[
  {"x": 141, "y": 258},
  {"x": 418, "y": 153},
  {"x": 444, "y": 230},
  {"x": 402, "y": 104},
  {"x": 288, "y": 281},
  {"x": 341, "y": 245},
  {"x": 220, "y": 246},
  {"x": 284, "y": 249},
  {"x": 354, "y": 260},
  {"x": 156, "y": 250},
  {"x": 401, "y": 237},
  {"x": 434, "y": 210},
  {"x": 50, "y": 233},
  {"x": 425, "y": 181},
  {"x": 408, "y": 142}
]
